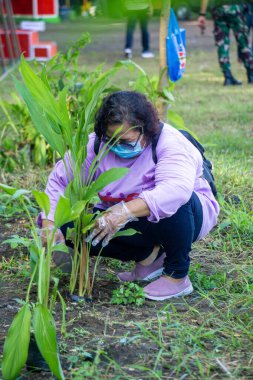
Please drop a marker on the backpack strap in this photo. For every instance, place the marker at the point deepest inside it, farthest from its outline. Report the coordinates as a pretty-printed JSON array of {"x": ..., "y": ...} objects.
[
  {"x": 207, "y": 165},
  {"x": 97, "y": 143},
  {"x": 154, "y": 142}
]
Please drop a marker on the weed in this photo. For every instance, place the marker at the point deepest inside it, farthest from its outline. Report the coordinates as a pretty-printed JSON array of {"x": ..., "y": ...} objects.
[{"x": 129, "y": 293}]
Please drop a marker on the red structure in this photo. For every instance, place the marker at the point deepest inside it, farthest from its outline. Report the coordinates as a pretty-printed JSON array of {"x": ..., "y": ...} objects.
[
  {"x": 28, "y": 40},
  {"x": 36, "y": 9},
  {"x": 30, "y": 45}
]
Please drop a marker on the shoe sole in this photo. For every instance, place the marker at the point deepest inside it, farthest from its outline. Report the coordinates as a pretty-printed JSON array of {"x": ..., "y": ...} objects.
[
  {"x": 151, "y": 276},
  {"x": 185, "y": 292}
]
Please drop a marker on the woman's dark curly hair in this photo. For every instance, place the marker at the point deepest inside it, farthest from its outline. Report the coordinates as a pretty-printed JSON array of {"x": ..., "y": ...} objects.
[{"x": 128, "y": 107}]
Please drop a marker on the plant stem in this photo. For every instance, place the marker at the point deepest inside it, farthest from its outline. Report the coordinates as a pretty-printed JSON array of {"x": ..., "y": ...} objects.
[
  {"x": 9, "y": 118},
  {"x": 30, "y": 283},
  {"x": 83, "y": 271}
]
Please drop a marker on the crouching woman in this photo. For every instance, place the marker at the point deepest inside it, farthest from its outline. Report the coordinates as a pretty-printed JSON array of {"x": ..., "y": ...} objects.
[{"x": 163, "y": 196}]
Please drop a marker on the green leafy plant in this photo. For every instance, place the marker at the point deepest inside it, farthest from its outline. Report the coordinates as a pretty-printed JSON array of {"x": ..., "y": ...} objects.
[
  {"x": 20, "y": 142},
  {"x": 37, "y": 316},
  {"x": 160, "y": 95},
  {"x": 129, "y": 293},
  {"x": 68, "y": 136}
]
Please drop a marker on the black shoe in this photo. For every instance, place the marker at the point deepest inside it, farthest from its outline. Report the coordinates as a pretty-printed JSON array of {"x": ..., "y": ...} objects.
[
  {"x": 230, "y": 80},
  {"x": 250, "y": 75}
]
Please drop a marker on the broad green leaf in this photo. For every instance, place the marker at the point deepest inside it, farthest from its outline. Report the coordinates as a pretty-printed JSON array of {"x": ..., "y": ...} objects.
[
  {"x": 87, "y": 218},
  {"x": 60, "y": 247},
  {"x": 96, "y": 91},
  {"x": 34, "y": 257},
  {"x": 104, "y": 179},
  {"x": 44, "y": 77},
  {"x": 78, "y": 207},
  {"x": 17, "y": 240},
  {"x": 42, "y": 200},
  {"x": 128, "y": 232},
  {"x": 19, "y": 193},
  {"x": 87, "y": 228},
  {"x": 45, "y": 335},
  {"x": 168, "y": 94},
  {"x": 64, "y": 115},
  {"x": 16, "y": 345},
  {"x": 130, "y": 65},
  {"x": 175, "y": 120},
  {"x": 41, "y": 123},
  {"x": 64, "y": 213},
  {"x": 8, "y": 189},
  {"x": 37, "y": 88}
]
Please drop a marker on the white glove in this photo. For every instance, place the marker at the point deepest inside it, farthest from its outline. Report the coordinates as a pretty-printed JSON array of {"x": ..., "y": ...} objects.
[{"x": 115, "y": 218}]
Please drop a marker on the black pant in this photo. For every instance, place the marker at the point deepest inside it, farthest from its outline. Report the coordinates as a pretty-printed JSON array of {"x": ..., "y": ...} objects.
[
  {"x": 132, "y": 19},
  {"x": 175, "y": 234}
]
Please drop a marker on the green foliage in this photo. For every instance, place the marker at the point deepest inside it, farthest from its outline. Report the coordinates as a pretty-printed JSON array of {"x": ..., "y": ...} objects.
[
  {"x": 203, "y": 281},
  {"x": 239, "y": 220},
  {"x": 68, "y": 134},
  {"x": 129, "y": 293},
  {"x": 16, "y": 344},
  {"x": 151, "y": 87},
  {"x": 42, "y": 200},
  {"x": 45, "y": 335},
  {"x": 20, "y": 143}
]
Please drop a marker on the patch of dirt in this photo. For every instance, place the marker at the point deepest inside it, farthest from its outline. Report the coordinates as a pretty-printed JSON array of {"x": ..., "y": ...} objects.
[{"x": 92, "y": 326}]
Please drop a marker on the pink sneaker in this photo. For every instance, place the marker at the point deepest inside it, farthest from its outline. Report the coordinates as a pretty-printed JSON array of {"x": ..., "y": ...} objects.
[
  {"x": 163, "y": 289},
  {"x": 142, "y": 272}
]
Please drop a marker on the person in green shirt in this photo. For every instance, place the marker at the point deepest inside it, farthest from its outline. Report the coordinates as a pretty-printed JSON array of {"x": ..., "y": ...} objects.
[
  {"x": 138, "y": 11},
  {"x": 229, "y": 14}
]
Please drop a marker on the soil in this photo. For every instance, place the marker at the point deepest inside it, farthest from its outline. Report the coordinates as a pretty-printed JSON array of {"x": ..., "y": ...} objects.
[{"x": 92, "y": 326}]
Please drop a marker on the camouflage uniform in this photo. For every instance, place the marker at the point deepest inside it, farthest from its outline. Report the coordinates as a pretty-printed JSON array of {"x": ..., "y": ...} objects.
[{"x": 228, "y": 17}]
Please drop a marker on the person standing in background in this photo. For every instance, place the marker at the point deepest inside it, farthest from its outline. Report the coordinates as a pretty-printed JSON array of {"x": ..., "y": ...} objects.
[
  {"x": 229, "y": 14},
  {"x": 248, "y": 12},
  {"x": 138, "y": 10}
]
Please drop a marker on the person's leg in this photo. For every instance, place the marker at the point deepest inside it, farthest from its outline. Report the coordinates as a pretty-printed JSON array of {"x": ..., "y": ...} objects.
[
  {"x": 240, "y": 28},
  {"x": 176, "y": 234},
  {"x": 247, "y": 17},
  {"x": 221, "y": 37},
  {"x": 143, "y": 17},
  {"x": 131, "y": 23},
  {"x": 183, "y": 228}
]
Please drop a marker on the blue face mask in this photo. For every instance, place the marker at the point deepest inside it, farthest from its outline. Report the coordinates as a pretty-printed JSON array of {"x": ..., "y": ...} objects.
[{"x": 126, "y": 152}]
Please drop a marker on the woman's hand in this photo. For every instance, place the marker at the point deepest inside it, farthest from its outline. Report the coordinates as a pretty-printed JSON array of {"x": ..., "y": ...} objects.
[
  {"x": 48, "y": 225},
  {"x": 112, "y": 221}
]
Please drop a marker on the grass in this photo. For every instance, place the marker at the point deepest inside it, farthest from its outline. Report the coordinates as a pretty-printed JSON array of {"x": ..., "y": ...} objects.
[{"x": 208, "y": 335}]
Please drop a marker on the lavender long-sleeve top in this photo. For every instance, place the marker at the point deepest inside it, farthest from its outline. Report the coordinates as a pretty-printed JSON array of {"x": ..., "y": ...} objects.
[{"x": 164, "y": 186}]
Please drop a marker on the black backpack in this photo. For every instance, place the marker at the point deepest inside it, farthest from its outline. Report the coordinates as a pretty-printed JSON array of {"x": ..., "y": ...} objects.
[{"x": 207, "y": 165}]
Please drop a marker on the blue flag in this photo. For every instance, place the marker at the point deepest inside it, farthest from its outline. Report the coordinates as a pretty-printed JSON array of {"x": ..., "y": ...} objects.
[{"x": 176, "y": 49}]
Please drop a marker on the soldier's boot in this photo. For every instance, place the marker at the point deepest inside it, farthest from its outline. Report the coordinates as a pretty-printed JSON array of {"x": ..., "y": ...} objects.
[
  {"x": 250, "y": 75},
  {"x": 230, "y": 80}
]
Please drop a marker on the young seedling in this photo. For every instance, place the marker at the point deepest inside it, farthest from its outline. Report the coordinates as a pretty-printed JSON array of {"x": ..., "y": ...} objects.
[
  {"x": 129, "y": 293},
  {"x": 37, "y": 317}
]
